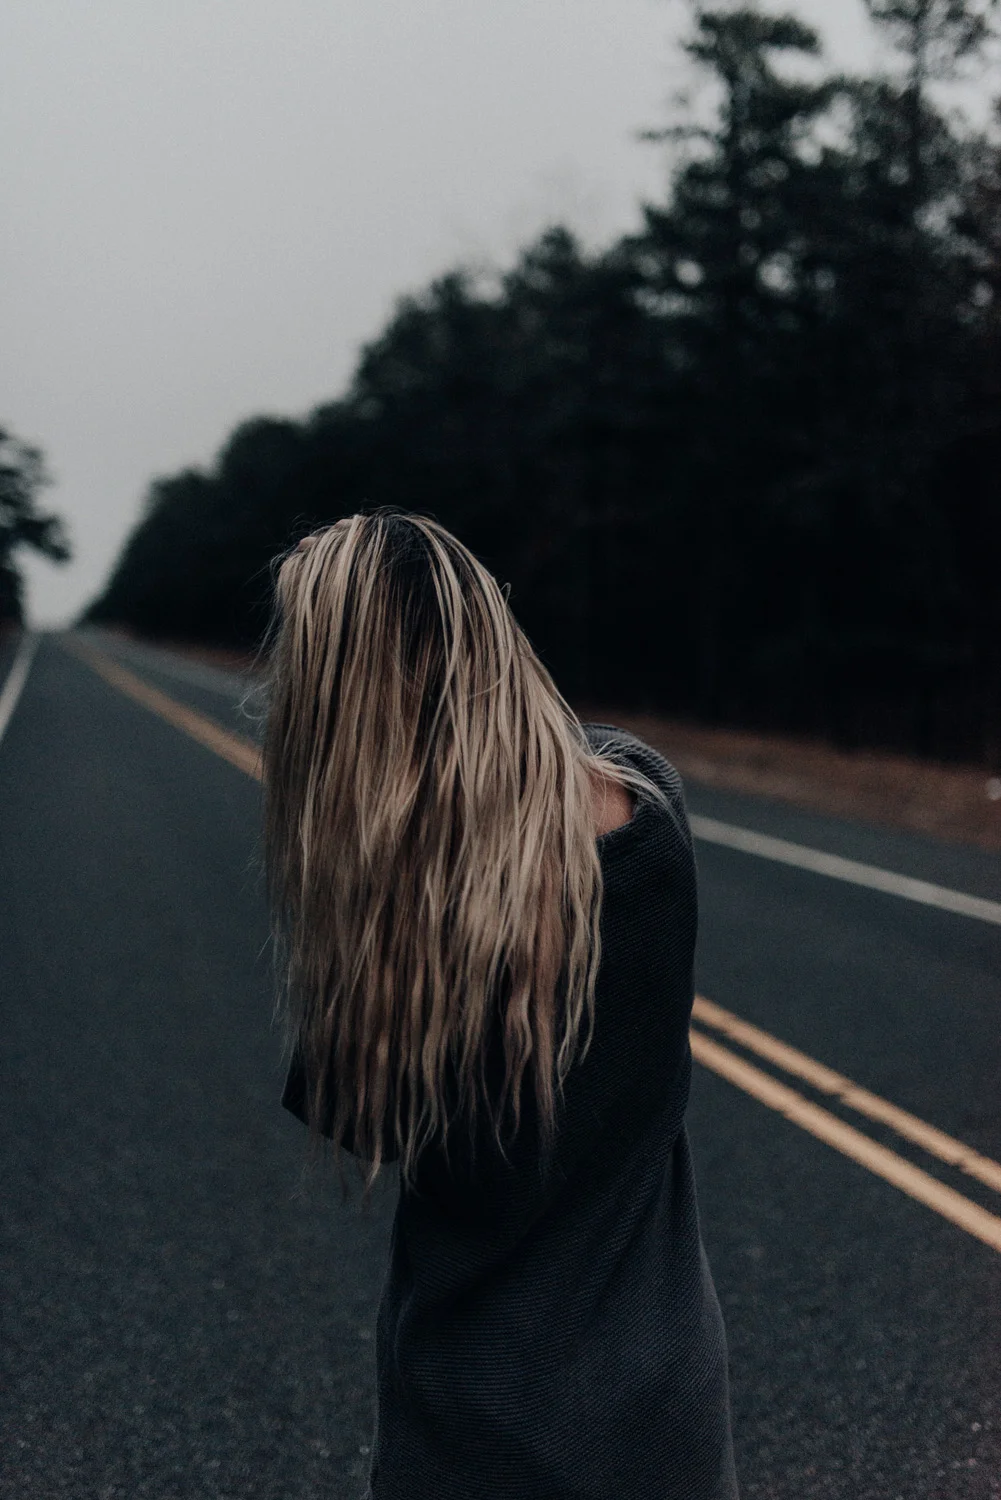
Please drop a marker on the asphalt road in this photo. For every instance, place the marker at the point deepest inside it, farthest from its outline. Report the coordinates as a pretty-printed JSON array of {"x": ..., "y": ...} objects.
[{"x": 185, "y": 1315}]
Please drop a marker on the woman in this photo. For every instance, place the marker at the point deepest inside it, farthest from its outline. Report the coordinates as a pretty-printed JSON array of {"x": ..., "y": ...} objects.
[{"x": 461, "y": 875}]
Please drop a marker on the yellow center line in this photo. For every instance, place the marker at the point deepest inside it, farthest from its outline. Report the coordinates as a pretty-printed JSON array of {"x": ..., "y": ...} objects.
[
  {"x": 851, "y": 1142},
  {"x": 240, "y": 752},
  {"x": 819, "y": 1122},
  {"x": 935, "y": 1142}
]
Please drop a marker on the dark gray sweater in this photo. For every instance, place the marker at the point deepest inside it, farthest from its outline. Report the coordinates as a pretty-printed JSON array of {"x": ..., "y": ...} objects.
[{"x": 558, "y": 1336}]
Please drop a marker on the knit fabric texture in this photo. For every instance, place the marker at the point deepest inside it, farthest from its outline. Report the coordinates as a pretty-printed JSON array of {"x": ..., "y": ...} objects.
[{"x": 555, "y": 1335}]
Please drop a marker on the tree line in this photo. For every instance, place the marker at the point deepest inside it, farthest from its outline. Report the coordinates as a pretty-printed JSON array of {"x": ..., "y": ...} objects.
[{"x": 741, "y": 465}]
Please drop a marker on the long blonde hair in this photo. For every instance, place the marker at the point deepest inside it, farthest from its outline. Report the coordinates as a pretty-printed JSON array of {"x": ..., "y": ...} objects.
[{"x": 429, "y": 839}]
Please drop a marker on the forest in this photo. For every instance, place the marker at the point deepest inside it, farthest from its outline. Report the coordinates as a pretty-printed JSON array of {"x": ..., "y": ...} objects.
[{"x": 740, "y": 466}]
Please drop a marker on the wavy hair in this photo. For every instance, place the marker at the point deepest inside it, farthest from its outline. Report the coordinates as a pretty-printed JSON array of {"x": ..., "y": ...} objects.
[{"x": 429, "y": 840}]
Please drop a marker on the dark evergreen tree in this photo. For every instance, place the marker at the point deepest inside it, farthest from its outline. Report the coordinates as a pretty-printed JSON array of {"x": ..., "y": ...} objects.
[
  {"x": 738, "y": 260},
  {"x": 22, "y": 524}
]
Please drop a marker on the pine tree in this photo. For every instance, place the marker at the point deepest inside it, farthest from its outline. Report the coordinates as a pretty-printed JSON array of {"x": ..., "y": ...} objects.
[{"x": 22, "y": 476}]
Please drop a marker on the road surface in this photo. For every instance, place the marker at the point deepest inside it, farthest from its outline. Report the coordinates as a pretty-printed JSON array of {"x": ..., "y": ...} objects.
[{"x": 186, "y": 1315}]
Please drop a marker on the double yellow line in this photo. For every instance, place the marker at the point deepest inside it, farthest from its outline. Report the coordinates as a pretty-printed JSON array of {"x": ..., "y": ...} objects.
[
  {"x": 722, "y": 1060},
  {"x": 845, "y": 1138}
]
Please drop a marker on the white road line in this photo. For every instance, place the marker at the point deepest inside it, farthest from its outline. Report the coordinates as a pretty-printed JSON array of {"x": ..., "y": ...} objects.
[
  {"x": 851, "y": 870},
  {"x": 16, "y": 678}
]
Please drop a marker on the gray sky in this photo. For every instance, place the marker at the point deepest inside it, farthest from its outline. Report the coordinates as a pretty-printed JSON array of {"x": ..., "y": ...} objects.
[{"x": 210, "y": 204}]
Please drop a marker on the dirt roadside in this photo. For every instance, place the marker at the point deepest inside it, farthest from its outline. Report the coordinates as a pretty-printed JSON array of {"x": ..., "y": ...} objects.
[{"x": 960, "y": 804}]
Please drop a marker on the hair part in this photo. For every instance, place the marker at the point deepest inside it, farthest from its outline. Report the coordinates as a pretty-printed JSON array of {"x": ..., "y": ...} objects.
[{"x": 429, "y": 841}]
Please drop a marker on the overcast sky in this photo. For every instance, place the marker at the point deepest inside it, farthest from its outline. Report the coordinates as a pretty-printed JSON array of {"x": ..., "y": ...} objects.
[{"x": 209, "y": 205}]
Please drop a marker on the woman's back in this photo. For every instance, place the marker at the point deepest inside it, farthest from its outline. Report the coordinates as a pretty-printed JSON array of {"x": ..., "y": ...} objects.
[
  {"x": 448, "y": 924},
  {"x": 557, "y": 1335}
]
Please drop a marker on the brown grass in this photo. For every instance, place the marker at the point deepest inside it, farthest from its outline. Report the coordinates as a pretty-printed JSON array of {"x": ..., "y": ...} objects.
[
  {"x": 897, "y": 791},
  {"x": 946, "y": 802}
]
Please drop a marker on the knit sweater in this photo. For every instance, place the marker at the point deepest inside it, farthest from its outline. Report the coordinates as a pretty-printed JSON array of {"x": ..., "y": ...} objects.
[{"x": 557, "y": 1336}]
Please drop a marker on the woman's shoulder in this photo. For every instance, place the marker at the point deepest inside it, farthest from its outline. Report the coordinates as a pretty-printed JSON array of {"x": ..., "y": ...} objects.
[
  {"x": 625, "y": 746},
  {"x": 613, "y": 804},
  {"x": 664, "y": 814}
]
